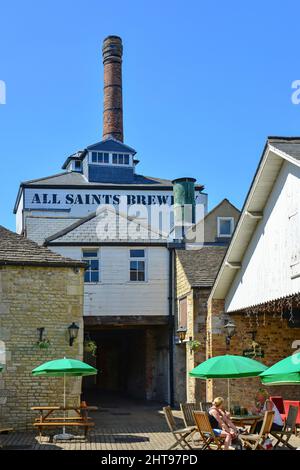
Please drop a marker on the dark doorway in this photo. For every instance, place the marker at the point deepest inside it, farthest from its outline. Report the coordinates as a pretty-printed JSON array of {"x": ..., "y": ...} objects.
[{"x": 121, "y": 362}]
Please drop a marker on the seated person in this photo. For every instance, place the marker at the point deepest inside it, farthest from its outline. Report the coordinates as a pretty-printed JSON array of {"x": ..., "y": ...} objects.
[
  {"x": 221, "y": 424},
  {"x": 263, "y": 404}
]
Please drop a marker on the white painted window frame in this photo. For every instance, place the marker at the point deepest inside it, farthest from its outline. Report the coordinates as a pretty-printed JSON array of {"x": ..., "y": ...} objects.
[
  {"x": 219, "y": 220},
  {"x": 93, "y": 258},
  {"x": 145, "y": 259},
  {"x": 110, "y": 159}
]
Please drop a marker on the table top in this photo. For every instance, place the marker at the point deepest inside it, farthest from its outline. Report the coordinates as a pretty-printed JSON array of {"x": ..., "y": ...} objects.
[
  {"x": 67, "y": 408},
  {"x": 246, "y": 417}
]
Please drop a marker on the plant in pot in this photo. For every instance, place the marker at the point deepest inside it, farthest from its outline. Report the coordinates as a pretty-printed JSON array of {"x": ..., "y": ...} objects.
[
  {"x": 43, "y": 344},
  {"x": 90, "y": 346},
  {"x": 194, "y": 345}
]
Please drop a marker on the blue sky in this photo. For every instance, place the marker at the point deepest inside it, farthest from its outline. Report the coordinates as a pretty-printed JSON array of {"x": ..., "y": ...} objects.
[{"x": 204, "y": 84}]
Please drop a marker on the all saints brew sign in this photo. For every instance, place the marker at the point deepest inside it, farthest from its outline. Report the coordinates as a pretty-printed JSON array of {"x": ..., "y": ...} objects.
[{"x": 41, "y": 199}]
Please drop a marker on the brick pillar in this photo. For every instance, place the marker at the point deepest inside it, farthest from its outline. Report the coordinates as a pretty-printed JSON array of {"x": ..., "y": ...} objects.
[{"x": 112, "y": 51}]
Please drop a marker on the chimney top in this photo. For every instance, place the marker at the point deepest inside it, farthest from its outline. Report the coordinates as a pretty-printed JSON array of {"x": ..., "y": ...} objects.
[{"x": 112, "y": 49}]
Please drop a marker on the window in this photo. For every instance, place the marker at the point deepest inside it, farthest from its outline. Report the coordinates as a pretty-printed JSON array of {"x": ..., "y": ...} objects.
[
  {"x": 137, "y": 265},
  {"x": 120, "y": 159},
  {"x": 225, "y": 226},
  {"x": 100, "y": 157},
  {"x": 92, "y": 273},
  {"x": 77, "y": 165}
]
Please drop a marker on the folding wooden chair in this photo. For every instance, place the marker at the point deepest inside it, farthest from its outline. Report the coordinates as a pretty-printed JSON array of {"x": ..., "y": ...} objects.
[
  {"x": 187, "y": 412},
  {"x": 289, "y": 428},
  {"x": 188, "y": 417},
  {"x": 180, "y": 434},
  {"x": 205, "y": 406},
  {"x": 211, "y": 441},
  {"x": 255, "y": 441}
]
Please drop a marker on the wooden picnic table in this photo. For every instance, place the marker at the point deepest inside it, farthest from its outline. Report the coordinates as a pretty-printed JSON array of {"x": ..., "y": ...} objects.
[
  {"x": 47, "y": 420},
  {"x": 246, "y": 420}
]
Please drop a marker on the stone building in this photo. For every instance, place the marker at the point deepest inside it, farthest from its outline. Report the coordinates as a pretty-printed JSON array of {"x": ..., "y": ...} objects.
[
  {"x": 127, "y": 304},
  {"x": 41, "y": 295},
  {"x": 195, "y": 272},
  {"x": 258, "y": 285}
]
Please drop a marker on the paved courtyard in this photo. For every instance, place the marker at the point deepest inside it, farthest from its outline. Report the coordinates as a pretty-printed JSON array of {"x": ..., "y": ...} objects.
[{"x": 122, "y": 425}]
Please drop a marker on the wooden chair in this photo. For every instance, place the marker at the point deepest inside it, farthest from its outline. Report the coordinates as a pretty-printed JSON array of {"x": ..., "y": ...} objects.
[
  {"x": 180, "y": 434},
  {"x": 187, "y": 412},
  {"x": 288, "y": 430},
  {"x": 205, "y": 406},
  {"x": 211, "y": 441},
  {"x": 255, "y": 441},
  {"x": 188, "y": 417}
]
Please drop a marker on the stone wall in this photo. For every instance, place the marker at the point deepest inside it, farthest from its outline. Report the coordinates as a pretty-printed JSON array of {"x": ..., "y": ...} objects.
[
  {"x": 273, "y": 335},
  {"x": 31, "y": 298},
  {"x": 187, "y": 388}
]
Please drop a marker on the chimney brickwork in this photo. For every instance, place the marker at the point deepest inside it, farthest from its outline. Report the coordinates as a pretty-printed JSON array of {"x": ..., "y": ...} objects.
[{"x": 112, "y": 51}]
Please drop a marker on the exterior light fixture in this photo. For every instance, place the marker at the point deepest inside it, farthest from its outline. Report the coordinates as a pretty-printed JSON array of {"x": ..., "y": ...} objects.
[
  {"x": 181, "y": 332},
  {"x": 40, "y": 332},
  {"x": 73, "y": 333},
  {"x": 229, "y": 328}
]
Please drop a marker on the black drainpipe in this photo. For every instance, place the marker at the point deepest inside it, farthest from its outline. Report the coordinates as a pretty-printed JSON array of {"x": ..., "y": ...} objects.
[{"x": 171, "y": 326}]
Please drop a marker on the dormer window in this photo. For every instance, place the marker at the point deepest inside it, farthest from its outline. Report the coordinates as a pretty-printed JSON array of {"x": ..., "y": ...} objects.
[
  {"x": 120, "y": 159},
  {"x": 100, "y": 157},
  {"x": 77, "y": 165},
  {"x": 225, "y": 226}
]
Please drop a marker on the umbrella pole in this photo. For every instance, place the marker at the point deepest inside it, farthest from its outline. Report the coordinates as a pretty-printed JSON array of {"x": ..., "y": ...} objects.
[
  {"x": 228, "y": 394},
  {"x": 64, "y": 428}
]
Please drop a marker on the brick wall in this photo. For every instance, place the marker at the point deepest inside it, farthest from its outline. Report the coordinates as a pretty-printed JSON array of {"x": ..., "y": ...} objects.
[
  {"x": 30, "y": 298},
  {"x": 273, "y": 334}
]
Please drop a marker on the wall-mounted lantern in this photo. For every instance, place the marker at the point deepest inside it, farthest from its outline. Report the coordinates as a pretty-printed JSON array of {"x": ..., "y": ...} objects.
[
  {"x": 230, "y": 329},
  {"x": 40, "y": 332},
  {"x": 73, "y": 333},
  {"x": 181, "y": 333}
]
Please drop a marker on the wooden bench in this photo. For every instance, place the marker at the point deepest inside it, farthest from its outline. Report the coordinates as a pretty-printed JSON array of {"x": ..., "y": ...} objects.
[
  {"x": 64, "y": 422},
  {"x": 5, "y": 430}
]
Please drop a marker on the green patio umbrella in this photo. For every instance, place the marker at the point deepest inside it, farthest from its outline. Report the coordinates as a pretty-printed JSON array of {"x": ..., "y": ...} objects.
[
  {"x": 228, "y": 367},
  {"x": 284, "y": 372},
  {"x": 63, "y": 368}
]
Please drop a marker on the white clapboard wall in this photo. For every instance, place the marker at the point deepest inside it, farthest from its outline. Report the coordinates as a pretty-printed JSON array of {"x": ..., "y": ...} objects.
[{"x": 271, "y": 264}]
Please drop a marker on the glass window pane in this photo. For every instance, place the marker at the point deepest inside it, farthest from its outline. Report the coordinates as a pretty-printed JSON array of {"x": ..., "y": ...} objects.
[
  {"x": 106, "y": 158},
  {"x": 133, "y": 275},
  {"x": 94, "y": 157},
  {"x": 94, "y": 264},
  {"x": 115, "y": 158},
  {"x": 120, "y": 159},
  {"x": 87, "y": 276},
  {"x": 90, "y": 254},
  {"x": 141, "y": 265},
  {"x": 94, "y": 276},
  {"x": 126, "y": 159},
  {"x": 137, "y": 253},
  {"x": 141, "y": 276},
  {"x": 133, "y": 265},
  {"x": 225, "y": 227}
]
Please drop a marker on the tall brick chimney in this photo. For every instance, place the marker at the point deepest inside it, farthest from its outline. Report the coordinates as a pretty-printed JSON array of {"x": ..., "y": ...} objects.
[{"x": 112, "y": 51}]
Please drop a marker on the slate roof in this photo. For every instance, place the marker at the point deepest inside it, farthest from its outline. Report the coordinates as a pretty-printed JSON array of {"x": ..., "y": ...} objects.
[
  {"x": 95, "y": 229},
  {"x": 73, "y": 178},
  {"x": 201, "y": 266},
  {"x": 16, "y": 250},
  {"x": 288, "y": 145},
  {"x": 111, "y": 145}
]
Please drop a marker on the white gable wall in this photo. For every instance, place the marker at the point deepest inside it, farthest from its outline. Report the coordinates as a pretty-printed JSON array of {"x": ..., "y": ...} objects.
[
  {"x": 266, "y": 271},
  {"x": 115, "y": 294}
]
